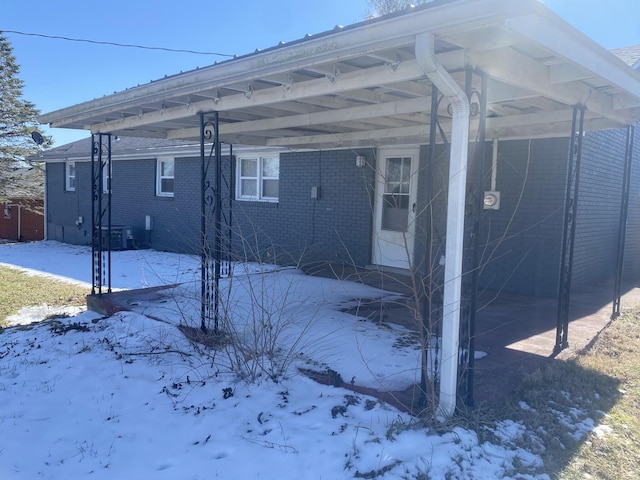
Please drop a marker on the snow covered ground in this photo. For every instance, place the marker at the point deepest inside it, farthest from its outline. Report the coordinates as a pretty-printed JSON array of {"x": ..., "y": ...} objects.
[{"x": 130, "y": 397}]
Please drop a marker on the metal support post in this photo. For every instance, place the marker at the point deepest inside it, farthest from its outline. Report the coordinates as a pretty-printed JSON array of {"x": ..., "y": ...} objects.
[
  {"x": 101, "y": 213},
  {"x": 622, "y": 225},
  {"x": 210, "y": 203},
  {"x": 430, "y": 320},
  {"x": 475, "y": 267},
  {"x": 569, "y": 229}
]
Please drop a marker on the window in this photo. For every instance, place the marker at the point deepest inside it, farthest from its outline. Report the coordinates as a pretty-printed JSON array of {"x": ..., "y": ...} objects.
[
  {"x": 106, "y": 177},
  {"x": 258, "y": 178},
  {"x": 165, "y": 177},
  {"x": 70, "y": 176}
]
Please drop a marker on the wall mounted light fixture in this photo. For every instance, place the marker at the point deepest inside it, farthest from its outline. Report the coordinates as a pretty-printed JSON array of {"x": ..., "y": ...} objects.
[{"x": 361, "y": 161}]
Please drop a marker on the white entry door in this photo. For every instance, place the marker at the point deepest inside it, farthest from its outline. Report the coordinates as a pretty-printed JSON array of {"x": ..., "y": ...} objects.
[{"x": 395, "y": 207}]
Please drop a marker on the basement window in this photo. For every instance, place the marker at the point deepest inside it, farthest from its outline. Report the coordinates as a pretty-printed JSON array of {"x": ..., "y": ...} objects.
[{"x": 258, "y": 178}]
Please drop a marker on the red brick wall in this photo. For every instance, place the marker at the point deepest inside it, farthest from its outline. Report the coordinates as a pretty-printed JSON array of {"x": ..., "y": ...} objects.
[{"x": 31, "y": 222}]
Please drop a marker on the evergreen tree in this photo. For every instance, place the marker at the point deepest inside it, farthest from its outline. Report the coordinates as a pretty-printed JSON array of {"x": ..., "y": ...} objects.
[
  {"x": 383, "y": 7},
  {"x": 18, "y": 119}
]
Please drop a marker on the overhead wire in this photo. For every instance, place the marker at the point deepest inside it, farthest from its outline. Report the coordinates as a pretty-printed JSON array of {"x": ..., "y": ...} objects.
[{"x": 116, "y": 44}]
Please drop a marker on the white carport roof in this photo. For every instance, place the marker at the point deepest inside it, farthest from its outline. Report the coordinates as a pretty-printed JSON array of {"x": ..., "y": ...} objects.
[{"x": 362, "y": 85}]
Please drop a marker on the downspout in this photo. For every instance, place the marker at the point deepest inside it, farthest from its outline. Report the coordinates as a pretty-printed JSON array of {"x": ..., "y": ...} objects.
[{"x": 425, "y": 56}]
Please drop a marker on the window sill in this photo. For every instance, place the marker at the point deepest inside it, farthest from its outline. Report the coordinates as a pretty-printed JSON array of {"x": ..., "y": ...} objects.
[{"x": 257, "y": 200}]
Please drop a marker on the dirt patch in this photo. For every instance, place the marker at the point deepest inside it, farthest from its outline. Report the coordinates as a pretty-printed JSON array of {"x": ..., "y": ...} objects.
[
  {"x": 398, "y": 311},
  {"x": 409, "y": 401},
  {"x": 209, "y": 338}
]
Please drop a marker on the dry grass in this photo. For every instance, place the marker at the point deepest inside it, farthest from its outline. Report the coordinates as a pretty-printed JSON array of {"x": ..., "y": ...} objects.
[
  {"x": 583, "y": 415},
  {"x": 616, "y": 453},
  {"x": 18, "y": 290}
]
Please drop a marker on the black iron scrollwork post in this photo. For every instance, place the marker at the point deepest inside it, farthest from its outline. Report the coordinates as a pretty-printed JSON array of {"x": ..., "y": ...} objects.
[
  {"x": 210, "y": 213},
  {"x": 101, "y": 213},
  {"x": 479, "y": 159},
  {"x": 474, "y": 209}
]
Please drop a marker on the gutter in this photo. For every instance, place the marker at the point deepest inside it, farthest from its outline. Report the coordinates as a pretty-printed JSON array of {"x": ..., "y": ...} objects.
[{"x": 425, "y": 56}]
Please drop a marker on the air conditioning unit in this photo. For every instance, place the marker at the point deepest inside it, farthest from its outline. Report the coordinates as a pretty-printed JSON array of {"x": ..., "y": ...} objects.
[{"x": 121, "y": 237}]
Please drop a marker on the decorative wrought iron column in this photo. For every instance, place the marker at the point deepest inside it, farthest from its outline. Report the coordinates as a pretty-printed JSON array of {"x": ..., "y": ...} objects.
[
  {"x": 474, "y": 208},
  {"x": 475, "y": 234},
  {"x": 216, "y": 220},
  {"x": 210, "y": 216},
  {"x": 569, "y": 228},
  {"x": 227, "y": 216},
  {"x": 622, "y": 225},
  {"x": 101, "y": 213},
  {"x": 431, "y": 315}
]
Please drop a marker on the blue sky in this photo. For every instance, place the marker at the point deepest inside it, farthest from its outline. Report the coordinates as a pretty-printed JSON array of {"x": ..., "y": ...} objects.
[{"x": 60, "y": 73}]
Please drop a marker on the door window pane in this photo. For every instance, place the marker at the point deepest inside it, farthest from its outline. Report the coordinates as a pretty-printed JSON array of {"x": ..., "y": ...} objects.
[{"x": 395, "y": 201}]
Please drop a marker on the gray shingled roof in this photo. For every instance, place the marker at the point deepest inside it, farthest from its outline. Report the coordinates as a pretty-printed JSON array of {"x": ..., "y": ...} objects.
[
  {"x": 120, "y": 146},
  {"x": 135, "y": 147},
  {"x": 630, "y": 55}
]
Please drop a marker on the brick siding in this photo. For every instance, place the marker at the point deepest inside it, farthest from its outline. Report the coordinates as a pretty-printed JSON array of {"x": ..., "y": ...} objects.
[{"x": 520, "y": 243}]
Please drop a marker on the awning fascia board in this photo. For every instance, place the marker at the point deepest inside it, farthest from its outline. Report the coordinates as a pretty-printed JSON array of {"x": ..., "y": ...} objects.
[{"x": 310, "y": 119}]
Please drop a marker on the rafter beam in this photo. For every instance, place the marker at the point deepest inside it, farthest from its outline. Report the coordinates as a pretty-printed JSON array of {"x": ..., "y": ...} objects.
[
  {"x": 498, "y": 124},
  {"x": 498, "y": 92},
  {"x": 330, "y": 116},
  {"x": 321, "y": 86},
  {"x": 580, "y": 49},
  {"x": 374, "y": 137},
  {"x": 550, "y": 124},
  {"x": 516, "y": 69},
  {"x": 563, "y": 72}
]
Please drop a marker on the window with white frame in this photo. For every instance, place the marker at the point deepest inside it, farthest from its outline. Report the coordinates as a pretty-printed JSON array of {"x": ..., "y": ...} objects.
[
  {"x": 258, "y": 178},
  {"x": 165, "y": 177},
  {"x": 106, "y": 178},
  {"x": 70, "y": 177}
]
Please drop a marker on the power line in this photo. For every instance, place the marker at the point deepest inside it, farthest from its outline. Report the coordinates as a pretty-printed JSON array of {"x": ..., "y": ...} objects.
[{"x": 115, "y": 44}]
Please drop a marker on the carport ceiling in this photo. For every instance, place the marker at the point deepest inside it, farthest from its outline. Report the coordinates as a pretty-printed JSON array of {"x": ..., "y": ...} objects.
[{"x": 362, "y": 86}]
